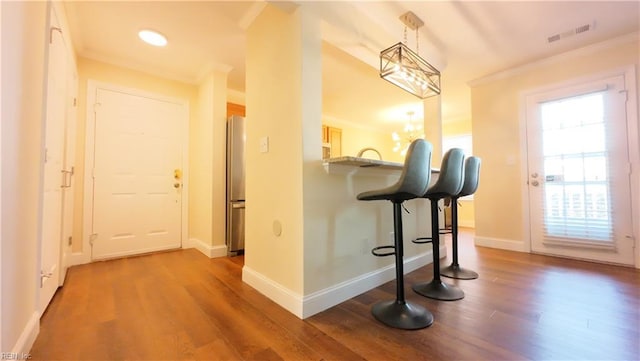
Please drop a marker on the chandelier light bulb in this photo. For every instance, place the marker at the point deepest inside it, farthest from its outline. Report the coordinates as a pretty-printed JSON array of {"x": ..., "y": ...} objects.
[{"x": 411, "y": 131}]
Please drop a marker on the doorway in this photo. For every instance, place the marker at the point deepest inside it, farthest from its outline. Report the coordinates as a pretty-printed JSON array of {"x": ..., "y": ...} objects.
[
  {"x": 579, "y": 184},
  {"x": 135, "y": 176}
]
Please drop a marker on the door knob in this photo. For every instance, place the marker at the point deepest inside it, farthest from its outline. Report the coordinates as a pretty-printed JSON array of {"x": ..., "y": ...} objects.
[
  {"x": 535, "y": 183},
  {"x": 176, "y": 185}
]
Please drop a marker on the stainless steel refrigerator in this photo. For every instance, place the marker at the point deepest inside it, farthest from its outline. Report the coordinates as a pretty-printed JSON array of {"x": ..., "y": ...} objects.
[{"x": 235, "y": 184}]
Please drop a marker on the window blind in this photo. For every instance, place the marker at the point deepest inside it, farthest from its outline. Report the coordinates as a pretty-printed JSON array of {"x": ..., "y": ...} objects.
[{"x": 577, "y": 178}]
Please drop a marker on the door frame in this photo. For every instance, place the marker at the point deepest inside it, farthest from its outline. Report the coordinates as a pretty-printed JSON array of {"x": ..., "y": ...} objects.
[
  {"x": 633, "y": 138},
  {"x": 92, "y": 88}
]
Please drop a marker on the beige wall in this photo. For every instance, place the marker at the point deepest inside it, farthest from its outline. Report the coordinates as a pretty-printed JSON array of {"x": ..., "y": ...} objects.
[
  {"x": 106, "y": 73},
  {"x": 201, "y": 164},
  {"x": 496, "y": 103},
  {"x": 274, "y": 179},
  {"x": 433, "y": 127},
  {"x": 466, "y": 210},
  {"x": 456, "y": 127},
  {"x": 327, "y": 235},
  {"x": 355, "y": 138},
  {"x": 23, "y": 64},
  {"x": 207, "y": 187}
]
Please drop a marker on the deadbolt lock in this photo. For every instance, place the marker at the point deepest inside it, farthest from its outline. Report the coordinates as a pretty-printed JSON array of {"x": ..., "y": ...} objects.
[{"x": 177, "y": 174}]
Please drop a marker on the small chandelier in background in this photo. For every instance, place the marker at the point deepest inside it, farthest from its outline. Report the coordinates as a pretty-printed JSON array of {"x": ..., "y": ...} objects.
[
  {"x": 412, "y": 131},
  {"x": 405, "y": 68}
]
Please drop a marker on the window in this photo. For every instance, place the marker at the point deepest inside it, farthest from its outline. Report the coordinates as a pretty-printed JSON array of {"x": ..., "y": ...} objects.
[
  {"x": 463, "y": 142},
  {"x": 459, "y": 141}
]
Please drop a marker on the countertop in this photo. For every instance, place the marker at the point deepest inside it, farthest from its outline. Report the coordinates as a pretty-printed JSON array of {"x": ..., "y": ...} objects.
[{"x": 363, "y": 163}]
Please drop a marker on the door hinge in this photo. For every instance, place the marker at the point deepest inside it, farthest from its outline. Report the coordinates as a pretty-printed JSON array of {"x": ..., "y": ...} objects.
[
  {"x": 53, "y": 28},
  {"x": 67, "y": 175},
  {"x": 92, "y": 238},
  {"x": 44, "y": 275},
  {"x": 75, "y": 102},
  {"x": 70, "y": 241}
]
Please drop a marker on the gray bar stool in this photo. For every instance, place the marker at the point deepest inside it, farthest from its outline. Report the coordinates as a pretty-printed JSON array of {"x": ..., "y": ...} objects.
[
  {"x": 413, "y": 183},
  {"x": 449, "y": 183},
  {"x": 471, "y": 180}
]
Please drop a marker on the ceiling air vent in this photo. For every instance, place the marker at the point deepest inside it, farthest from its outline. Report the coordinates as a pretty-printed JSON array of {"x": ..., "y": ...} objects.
[{"x": 565, "y": 34}]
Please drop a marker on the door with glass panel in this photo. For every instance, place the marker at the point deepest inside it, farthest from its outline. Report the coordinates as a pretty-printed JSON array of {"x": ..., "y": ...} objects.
[{"x": 579, "y": 172}]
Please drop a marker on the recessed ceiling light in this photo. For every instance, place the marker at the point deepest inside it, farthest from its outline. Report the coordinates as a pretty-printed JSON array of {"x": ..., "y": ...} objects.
[{"x": 152, "y": 37}]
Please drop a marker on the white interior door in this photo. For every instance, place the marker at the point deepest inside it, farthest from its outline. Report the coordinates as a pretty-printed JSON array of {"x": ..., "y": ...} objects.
[
  {"x": 68, "y": 171},
  {"x": 137, "y": 180},
  {"x": 579, "y": 172},
  {"x": 54, "y": 157}
]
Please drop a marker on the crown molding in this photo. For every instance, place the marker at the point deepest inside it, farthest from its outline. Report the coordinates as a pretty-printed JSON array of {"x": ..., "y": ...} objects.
[{"x": 586, "y": 50}]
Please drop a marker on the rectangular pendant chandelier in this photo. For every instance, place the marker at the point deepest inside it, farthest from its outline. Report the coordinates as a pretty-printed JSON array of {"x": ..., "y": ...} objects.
[{"x": 406, "y": 69}]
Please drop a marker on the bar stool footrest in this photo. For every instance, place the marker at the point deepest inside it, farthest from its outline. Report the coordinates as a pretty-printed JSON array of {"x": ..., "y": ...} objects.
[
  {"x": 375, "y": 251},
  {"x": 422, "y": 240},
  {"x": 445, "y": 231},
  {"x": 402, "y": 315}
]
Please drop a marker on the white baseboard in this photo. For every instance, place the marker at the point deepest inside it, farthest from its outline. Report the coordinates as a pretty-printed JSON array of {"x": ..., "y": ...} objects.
[
  {"x": 207, "y": 250},
  {"x": 28, "y": 336},
  {"x": 279, "y": 294},
  {"x": 506, "y": 244},
  {"x": 78, "y": 258},
  {"x": 319, "y": 301},
  {"x": 331, "y": 296}
]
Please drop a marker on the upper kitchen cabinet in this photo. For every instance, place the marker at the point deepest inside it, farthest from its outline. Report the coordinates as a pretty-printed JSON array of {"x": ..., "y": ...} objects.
[
  {"x": 331, "y": 142},
  {"x": 236, "y": 109}
]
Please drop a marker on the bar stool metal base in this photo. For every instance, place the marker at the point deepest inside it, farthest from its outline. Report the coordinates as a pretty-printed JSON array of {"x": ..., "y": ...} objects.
[
  {"x": 403, "y": 315},
  {"x": 439, "y": 290},
  {"x": 457, "y": 272}
]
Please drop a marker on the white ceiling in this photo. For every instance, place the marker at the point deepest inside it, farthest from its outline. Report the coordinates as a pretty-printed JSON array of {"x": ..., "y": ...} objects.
[{"x": 465, "y": 40}]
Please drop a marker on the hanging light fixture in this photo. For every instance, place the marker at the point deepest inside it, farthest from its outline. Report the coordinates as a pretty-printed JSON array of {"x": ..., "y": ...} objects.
[
  {"x": 405, "y": 68},
  {"x": 412, "y": 131}
]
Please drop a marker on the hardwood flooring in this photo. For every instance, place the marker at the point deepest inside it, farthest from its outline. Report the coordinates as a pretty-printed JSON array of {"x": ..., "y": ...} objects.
[{"x": 181, "y": 305}]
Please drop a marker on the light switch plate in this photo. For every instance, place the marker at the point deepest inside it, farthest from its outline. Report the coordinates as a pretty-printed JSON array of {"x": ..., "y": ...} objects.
[{"x": 264, "y": 145}]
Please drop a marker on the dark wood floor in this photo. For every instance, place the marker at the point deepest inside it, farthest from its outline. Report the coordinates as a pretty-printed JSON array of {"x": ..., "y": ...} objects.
[{"x": 181, "y": 305}]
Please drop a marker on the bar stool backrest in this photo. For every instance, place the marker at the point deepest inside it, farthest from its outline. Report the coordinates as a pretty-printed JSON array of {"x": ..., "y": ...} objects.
[
  {"x": 451, "y": 176},
  {"x": 414, "y": 179},
  {"x": 471, "y": 176}
]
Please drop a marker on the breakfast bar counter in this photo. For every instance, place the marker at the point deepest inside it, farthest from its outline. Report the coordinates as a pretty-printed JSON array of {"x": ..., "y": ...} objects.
[{"x": 364, "y": 166}]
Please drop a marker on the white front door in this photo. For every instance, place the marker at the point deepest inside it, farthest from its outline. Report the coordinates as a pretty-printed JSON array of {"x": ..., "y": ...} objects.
[
  {"x": 137, "y": 175},
  {"x": 579, "y": 172}
]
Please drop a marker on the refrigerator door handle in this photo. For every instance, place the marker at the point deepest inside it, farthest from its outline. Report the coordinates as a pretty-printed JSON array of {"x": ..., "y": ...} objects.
[{"x": 237, "y": 205}]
